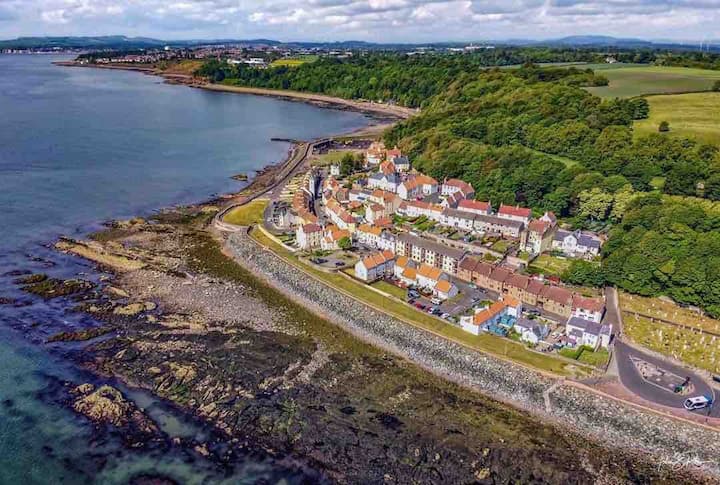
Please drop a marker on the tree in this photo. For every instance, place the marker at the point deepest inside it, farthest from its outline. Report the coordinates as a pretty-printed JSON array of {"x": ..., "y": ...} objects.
[
  {"x": 584, "y": 273},
  {"x": 345, "y": 243},
  {"x": 621, "y": 199},
  {"x": 594, "y": 204},
  {"x": 347, "y": 164},
  {"x": 664, "y": 127},
  {"x": 716, "y": 86}
]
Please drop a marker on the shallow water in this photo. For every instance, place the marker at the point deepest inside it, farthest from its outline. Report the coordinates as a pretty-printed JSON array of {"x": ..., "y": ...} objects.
[{"x": 77, "y": 147}]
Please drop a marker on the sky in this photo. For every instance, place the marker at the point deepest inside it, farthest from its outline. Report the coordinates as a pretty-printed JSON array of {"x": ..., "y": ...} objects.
[{"x": 413, "y": 21}]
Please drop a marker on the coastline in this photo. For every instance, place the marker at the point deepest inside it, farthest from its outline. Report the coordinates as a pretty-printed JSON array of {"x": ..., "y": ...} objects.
[
  {"x": 321, "y": 100},
  {"x": 269, "y": 174}
]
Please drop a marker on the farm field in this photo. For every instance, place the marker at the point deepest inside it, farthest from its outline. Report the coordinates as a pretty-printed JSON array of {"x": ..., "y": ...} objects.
[
  {"x": 293, "y": 62},
  {"x": 694, "y": 115},
  {"x": 627, "y": 82}
]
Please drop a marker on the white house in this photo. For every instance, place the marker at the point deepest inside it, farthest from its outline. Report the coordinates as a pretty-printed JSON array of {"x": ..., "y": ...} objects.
[
  {"x": 389, "y": 182},
  {"x": 591, "y": 309},
  {"x": 375, "y": 266},
  {"x": 458, "y": 218},
  {"x": 584, "y": 332},
  {"x": 577, "y": 244},
  {"x": 308, "y": 236},
  {"x": 530, "y": 331},
  {"x": 452, "y": 186},
  {"x": 515, "y": 213},
  {"x": 445, "y": 290},
  {"x": 475, "y": 206}
]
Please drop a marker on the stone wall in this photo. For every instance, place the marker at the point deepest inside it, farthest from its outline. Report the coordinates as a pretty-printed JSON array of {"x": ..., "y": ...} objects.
[{"x": 616, "y": 424}]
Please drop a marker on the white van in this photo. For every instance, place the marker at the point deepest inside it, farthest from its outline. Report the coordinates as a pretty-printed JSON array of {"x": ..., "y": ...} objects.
[
  {"x": 436, "y": 301},
  {"x": 697, "y": 402}
]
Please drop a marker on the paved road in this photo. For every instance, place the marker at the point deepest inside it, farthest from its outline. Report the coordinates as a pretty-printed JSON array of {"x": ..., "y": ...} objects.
[
  {"x": 631, "y": 379},
  {"x": 626, "y": 371}
]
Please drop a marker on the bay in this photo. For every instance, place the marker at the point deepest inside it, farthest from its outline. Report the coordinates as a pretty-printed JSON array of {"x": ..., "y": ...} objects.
[{"x": 81, "y": 146}]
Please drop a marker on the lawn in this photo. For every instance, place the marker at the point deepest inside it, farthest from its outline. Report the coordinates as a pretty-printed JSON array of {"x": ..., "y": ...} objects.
[
  {"x": 485, "y": 342},
  {"x": 501, "y": 245},
  {"x": 332, "y": 156},
  {"x": 640, "y": 80},
  {"x": 395, "y": 291},
  {"x": 245, "y": 215},
  {"x": 549, "y": 265},
  {"x": 694, "y": 115}
]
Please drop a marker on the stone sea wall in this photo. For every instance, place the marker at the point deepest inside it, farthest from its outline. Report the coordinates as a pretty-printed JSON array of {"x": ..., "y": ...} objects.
[{"x": 672, "y": 442}]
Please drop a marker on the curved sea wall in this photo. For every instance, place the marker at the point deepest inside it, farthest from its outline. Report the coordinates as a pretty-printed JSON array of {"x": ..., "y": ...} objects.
[{"x": 670, "y": 441}]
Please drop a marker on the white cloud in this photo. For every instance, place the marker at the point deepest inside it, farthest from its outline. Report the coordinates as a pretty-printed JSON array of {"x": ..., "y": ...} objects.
[{"x": 372, "y": 20}]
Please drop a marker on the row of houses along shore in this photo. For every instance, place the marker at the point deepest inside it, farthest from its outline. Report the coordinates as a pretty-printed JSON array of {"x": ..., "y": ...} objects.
[{"x": 366, "y": 212}]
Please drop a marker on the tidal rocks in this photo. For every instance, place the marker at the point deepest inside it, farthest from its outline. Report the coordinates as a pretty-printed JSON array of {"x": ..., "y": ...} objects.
[
  {"x": 80, "y": 336},
  {"x": 106, "y": 405},
  {"x": 44, "y": 287}
]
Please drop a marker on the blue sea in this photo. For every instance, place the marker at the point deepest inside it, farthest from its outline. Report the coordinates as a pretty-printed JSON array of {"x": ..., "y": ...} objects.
[{"x": 78, "y": 147}]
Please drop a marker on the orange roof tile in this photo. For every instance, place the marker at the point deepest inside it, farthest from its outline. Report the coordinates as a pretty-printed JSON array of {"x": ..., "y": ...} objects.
[{"x": 443, "y": 286}]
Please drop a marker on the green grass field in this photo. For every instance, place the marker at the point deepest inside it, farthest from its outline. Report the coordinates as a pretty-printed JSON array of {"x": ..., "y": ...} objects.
[
  {"x": 485, "y": 342},
  {"x": 695, "y": 115},
  {"x": 549, "y": 265},
  {"x": 247, "y": 214},
  {"x": 636, "y": 81},
  {"x": 294, "y": 62},
  {"x": 390, "y": 289}
]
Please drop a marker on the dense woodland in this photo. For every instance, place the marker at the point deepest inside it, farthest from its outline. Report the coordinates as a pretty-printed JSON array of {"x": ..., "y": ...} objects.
[{"x": 534, "y": 136}]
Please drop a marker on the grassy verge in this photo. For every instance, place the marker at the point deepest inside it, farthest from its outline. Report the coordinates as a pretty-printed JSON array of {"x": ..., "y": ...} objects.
[
  {"x": 391, "y": 289},
  {"x": 248, "y": 214},
  {"x": 486, "y": 343}
]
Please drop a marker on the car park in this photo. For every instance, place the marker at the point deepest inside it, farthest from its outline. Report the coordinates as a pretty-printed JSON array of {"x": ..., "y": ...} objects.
[{"x": 697, "y": 402}]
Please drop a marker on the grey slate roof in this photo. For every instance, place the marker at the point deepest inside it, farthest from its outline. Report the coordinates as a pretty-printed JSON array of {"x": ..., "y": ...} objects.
[
  {"x": 586, "y": 325},
  {"x": 431, "y": 245},
  {"x": 500, "y": 221}
]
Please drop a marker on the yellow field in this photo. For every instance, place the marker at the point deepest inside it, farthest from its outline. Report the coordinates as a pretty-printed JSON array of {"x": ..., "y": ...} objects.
[{"x": 694, "y": 115}]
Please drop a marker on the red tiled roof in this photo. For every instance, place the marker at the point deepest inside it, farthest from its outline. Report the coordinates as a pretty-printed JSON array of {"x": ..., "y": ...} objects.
[
  {"x": 589, "y": 304},
  {"x": 539, "y": 226},
  {"x": 474, "y": 204},
  {"x": 500, "y": 274},
  {"x": 311, "y": 228},
  {"x": 514, "y": 211},
  {"x": 557, "y": 294}
]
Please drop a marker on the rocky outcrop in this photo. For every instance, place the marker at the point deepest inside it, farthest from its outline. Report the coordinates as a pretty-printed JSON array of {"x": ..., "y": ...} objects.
[{"x": 106, "y": 405}]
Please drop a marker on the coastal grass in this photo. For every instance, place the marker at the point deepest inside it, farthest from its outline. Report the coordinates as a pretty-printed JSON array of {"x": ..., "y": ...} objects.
[
  {"x": 247, "y": 214},
  {"x": 693, "y": 115},
  {"x": 485, "y": 342},
  {"x": 391, "y": 289},
  {"x": 628, "y": 82},
  {"x": 332, "y": 156}
]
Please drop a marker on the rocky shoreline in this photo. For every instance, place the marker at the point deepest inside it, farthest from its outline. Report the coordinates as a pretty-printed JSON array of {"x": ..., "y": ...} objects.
[{"x": 272, "y": 375}]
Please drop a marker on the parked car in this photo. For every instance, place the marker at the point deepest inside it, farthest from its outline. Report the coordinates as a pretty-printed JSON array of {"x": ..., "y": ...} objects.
[
  {"x": 697, "y": 402},
  {"x": 419, "y": 305},
  {"x": 435, "y": 300},
  {"x": 339, "y": 263}
]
